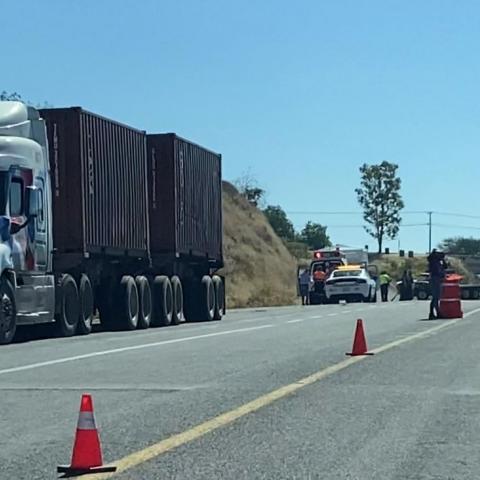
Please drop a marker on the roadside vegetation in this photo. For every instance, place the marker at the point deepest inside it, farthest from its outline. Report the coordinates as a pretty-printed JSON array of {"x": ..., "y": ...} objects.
[{"x": 259, "y": 269}]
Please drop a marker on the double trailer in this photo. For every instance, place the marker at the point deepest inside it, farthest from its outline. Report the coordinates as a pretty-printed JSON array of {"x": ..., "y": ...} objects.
[{"x": 101, "y": 217}]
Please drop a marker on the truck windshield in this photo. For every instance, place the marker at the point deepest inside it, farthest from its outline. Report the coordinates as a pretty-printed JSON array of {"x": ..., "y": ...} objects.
[{"x": 3, "y": 192}]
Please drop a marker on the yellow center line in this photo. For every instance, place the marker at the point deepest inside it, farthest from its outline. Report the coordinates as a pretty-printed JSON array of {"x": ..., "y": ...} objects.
[{"x": 136, "y": 458}]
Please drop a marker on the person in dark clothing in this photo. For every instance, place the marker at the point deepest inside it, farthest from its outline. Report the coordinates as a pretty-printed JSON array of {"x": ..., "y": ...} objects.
[
  {"x": 436, "y": 269},
  {"x": 304, "y": 283},
  {"x": 406, "y": 292},
  {"x": 410, "y": 284}
]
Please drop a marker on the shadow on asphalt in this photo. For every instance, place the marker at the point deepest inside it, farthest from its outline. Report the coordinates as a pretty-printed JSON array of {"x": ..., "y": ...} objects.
[
  {"x": 30, "y": 333},
  {"x": 43, "y": 332},
  {"x": 433, "y": 320}
]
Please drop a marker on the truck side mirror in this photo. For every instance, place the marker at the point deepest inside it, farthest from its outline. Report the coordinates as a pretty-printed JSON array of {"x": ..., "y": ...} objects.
[{"x": 33, "y": 202}]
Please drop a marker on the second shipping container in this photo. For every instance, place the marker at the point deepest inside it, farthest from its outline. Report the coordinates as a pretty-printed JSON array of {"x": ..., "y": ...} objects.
[{"x": 185, "y": 191}]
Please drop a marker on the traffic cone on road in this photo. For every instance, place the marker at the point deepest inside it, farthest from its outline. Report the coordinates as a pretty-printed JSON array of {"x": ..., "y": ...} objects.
[
  {"x": 87, "y": 452},
  {"x": 359, "y": 341}
]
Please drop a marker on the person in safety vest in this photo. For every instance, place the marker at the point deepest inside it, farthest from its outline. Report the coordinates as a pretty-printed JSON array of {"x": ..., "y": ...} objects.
[
  {"x": 385, "y": 281},
  {"x": 318, "y": 274}
]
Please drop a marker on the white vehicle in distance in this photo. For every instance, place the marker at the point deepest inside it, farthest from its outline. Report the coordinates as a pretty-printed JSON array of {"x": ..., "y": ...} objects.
[{"x": 350, "y": 283}]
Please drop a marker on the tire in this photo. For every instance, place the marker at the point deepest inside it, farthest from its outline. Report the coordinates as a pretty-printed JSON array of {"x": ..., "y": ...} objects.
[
  {"x": 8, "y": 312},
  {"x": 475, "y": 294},
  {"x": 374, "y": 299},
  {"x": 207, "y": 299},
  {"x": 86, "y": 306},
  {"x": 422, "y": 295},
  {"x": 66, "y": 319},
  {"x": 145, "y": 302},
  {"x": 218, "y": 288},
  {"x": 162, "y": 302},
  {"x": 177, "y": 291},
  {"x": 127, "y": 304}
]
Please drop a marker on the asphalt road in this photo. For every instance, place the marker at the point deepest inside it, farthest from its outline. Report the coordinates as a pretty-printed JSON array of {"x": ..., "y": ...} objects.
[{"x": 286, "y": 402}]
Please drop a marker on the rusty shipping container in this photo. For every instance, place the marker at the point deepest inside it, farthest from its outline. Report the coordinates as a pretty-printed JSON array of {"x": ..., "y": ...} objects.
[
  {"x": 98, "y": 171},
  {"x": 185, "y": 196}
]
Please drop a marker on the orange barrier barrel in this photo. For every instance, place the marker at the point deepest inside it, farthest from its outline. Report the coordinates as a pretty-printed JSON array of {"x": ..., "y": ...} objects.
[{"x": 450, "y": 299}]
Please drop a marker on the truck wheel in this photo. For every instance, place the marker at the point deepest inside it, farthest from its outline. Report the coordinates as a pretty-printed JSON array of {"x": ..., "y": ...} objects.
[
  {"x": 8, "y": 312},
  {"x": 422, "y": 295},
  {"x": 127, "y": 303},
  {"x": 207, "y": 299},
  {"x": 177, "y": 291},
  {"x": 162, "y": 302},
  {"x": 219, "y": 297},
  {"x": 85, "y": 298},
  {"x": 475, "y": 294},
  {"x": 67, "y": 317},
  {"x": 145, "y": 301}
]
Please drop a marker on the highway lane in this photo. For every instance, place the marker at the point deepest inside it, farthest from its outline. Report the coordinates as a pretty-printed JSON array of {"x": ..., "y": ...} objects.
[{"x": 149, "y": 385}]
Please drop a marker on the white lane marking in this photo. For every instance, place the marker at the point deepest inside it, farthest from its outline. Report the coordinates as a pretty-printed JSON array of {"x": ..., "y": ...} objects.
[
  {"x": 472, "y": 312},
  {"x": 332, "y": 314},
  {"x": 317, "y": 316},
  {"x": 101, "y": 353},
  {"x": 347, "y": 311},
  {"x": 254, "y": 319},
  {"x": 296, "y": 320}
]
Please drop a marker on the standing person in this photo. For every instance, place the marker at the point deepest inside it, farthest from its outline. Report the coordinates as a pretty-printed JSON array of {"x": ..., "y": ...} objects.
[
  {"x": 410, "y": 285},
  {"x": 304, "y": 282},
  {"x": 406, "y": 286},
  {"x": 402, "y": 286},
  {"x": 385, "y": 280},
  {"x": 436, "y": 269}
]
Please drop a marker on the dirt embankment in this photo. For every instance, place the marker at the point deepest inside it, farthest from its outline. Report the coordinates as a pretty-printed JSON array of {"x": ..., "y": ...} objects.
[{"x": 259, "y": 269}]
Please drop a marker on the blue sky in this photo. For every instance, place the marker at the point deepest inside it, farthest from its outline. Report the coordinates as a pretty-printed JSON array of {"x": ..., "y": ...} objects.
[{"x": 298, "y": 93}]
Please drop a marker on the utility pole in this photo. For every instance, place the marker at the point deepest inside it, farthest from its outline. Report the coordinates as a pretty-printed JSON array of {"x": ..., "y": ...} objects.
[{"x": 429, "y": 231}]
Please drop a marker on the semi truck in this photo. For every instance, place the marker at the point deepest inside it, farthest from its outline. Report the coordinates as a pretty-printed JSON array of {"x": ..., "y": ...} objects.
[{"x": 98, "y": 218}]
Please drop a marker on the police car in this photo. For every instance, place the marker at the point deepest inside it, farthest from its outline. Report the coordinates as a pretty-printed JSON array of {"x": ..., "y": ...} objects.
[{"x": 351, "y": 283}]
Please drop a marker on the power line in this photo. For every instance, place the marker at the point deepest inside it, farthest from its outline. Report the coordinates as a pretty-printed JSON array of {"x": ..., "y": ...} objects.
[
  {"x": 406, "y": 212},
  {"x": 362, "y": 226},
  {"x": 313, "y": 212},
  {"x": 462, "y": 215},
  {"x": 430, "y": 224},
  {"x": 446, "y": 225}
]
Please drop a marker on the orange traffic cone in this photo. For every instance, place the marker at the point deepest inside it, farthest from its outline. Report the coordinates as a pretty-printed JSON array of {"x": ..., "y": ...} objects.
[
  {"x": 359, "y": 342},
  {"x": 87, "y": 453}
]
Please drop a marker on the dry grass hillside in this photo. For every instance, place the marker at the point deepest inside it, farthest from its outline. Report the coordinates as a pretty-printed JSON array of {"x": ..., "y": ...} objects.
[{"x": 259, "y": 269}]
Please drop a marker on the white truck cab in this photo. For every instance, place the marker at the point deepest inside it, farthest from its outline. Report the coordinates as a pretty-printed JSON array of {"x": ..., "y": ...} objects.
[{"x": 27, "y": 286}]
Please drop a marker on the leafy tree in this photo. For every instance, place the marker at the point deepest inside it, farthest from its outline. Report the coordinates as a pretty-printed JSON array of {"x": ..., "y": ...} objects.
[
  {"x": 248, "y": 187},
  {"x": 379, "y": 196},
  {"x": 9, "y": 96},
  {"x": 280, "y": 223},
  {"x": 315, "y": 236},
  {"x": 461, "y": 246},
  {"x": 4, "y": 95}
]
